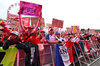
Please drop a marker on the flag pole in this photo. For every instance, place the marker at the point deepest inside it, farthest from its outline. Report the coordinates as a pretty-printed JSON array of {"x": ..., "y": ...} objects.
[{"x": 20, "y": 20}]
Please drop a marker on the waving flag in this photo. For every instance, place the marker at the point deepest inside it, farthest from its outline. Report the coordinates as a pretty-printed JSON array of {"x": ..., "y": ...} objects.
[
  {"x": 65, "y": 56},
  {"x": 62, "y": 56}
]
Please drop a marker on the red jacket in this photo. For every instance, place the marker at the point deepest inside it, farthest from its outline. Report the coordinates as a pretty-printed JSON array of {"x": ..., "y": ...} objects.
[
  {"x": 7, "y": 30},
  {"x": 32, "y": 39},
  {"x": 38, "y": 40},
  {"x": 2, "y": 39}
]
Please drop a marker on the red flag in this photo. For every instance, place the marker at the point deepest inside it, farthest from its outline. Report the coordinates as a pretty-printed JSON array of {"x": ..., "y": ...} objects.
[
  {"x": 69, "y": 46},
  {"x": 26, "y": 21}
]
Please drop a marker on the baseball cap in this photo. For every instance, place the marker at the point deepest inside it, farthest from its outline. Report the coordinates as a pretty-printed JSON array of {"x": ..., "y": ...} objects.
[
  {"x": 50, "y": 29},
  {"x": 15, "y": 32},
  {"x": 3, "y": 22},
  {"x": 57, "y": 33}
]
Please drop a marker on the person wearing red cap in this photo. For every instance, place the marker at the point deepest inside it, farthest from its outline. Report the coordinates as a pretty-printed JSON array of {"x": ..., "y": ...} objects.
[
  {"x": 50, "y": 36},
  {"x": 3, "y": 24},
  {"x": 6, "y": 31}
]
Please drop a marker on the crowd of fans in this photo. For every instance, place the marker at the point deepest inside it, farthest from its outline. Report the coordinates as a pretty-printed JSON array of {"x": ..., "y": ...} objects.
[
  {"x": 41, "y": 36},
  {"x": 11, "y": 37}
]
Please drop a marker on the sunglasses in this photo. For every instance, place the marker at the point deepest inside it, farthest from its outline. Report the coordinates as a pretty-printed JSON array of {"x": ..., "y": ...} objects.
[{"x": 42, "y": 32}]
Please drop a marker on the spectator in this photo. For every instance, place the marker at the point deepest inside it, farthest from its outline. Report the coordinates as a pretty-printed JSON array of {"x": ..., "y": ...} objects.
[
  {"x": 5, "y": 30},
  {"x": 58, "y": 37},
  {"x": 13, "y": 40},
  {"x": 41, "y": 38},
  {"x": 63, "y": 36},
  {"x": 50, "y": 36},
  {"x": 82, "y": 37}
]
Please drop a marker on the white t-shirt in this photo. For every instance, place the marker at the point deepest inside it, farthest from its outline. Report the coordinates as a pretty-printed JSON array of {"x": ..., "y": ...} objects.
[{"x": 52, "y": 37}]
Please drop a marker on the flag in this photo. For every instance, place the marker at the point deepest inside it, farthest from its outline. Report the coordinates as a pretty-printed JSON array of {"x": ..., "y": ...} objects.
[
  {"x": 69, "y": 46},
  {"x": 64, "y": 55},
  {"x": 81, "y": 45},
  {"x": 59, "y": 61},
  {"x": 87, "y": 46},
  {"x": 7, "y": 57},
  {"x": 26, "y": 21},
  {"x": 41, "y": 47}
]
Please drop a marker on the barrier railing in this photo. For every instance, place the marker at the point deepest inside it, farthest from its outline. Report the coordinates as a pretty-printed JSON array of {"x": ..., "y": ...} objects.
[
  {"x": 90, "y": 56},
  {"x": 46, "y": 56},
  {"x": 87, "y": 57}
]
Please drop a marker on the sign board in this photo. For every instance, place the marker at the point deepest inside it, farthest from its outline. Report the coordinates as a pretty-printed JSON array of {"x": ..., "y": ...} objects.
[
  {"x": 49, "y": 25},
  {"x": 31, "y": 9},
  {"x": 68, "y": 29},
  {"x": 57, "y": 23},
  {"x": 75, "y": 29},
  {"x": 35, "y": 20},
  {"x": 99, "y": 34},
  {"x": 15, "y": 23},
  {"x": 92, "y": 31},
  {"x": 9, "y": 17},
  {"x": 26, "y": 21},
  {"x": 42, "y": 23}
]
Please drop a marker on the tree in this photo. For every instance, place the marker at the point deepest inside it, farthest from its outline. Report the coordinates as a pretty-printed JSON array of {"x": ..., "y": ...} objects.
[{"x": 2, "y": 20}]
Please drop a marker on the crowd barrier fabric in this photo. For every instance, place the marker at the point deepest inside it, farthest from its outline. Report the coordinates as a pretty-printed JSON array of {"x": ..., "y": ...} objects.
[{"x": 7, "y": 57}]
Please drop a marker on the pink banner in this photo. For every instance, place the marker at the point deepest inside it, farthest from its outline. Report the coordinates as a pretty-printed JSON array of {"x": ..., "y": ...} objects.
[
  {"x": 26, "y": 21},
  {"x": 31, "y": 9}
]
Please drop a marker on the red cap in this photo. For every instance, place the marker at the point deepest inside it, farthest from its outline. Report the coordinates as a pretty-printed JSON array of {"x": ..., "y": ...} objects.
[
  {"x": 3, "y": 23},
  {"x": 51, "y": 29}
]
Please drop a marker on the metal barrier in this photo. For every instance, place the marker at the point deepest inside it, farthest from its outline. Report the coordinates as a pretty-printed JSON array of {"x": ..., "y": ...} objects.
[
  {"x": 20, "y": 59},
  {"x": 47, "y": 56},
  {"x": 89, "y": 57}
]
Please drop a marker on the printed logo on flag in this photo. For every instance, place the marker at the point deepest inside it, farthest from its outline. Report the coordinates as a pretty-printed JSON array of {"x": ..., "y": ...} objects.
[{"x": 65, "y": 56}]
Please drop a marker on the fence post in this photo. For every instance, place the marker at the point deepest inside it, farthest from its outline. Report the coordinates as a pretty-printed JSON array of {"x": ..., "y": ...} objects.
[
  {"x": 18, "y": 58},
  {"x": 52, "y": 56}
]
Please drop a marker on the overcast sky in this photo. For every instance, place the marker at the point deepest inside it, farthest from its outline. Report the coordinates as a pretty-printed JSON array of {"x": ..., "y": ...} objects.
[{"x": 85, "y": 13}]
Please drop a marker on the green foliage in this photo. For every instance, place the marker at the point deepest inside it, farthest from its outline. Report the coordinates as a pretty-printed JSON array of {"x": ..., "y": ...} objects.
[
  {"x": 2, "y": 19},
  {"x": 97, "y": 30}
]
